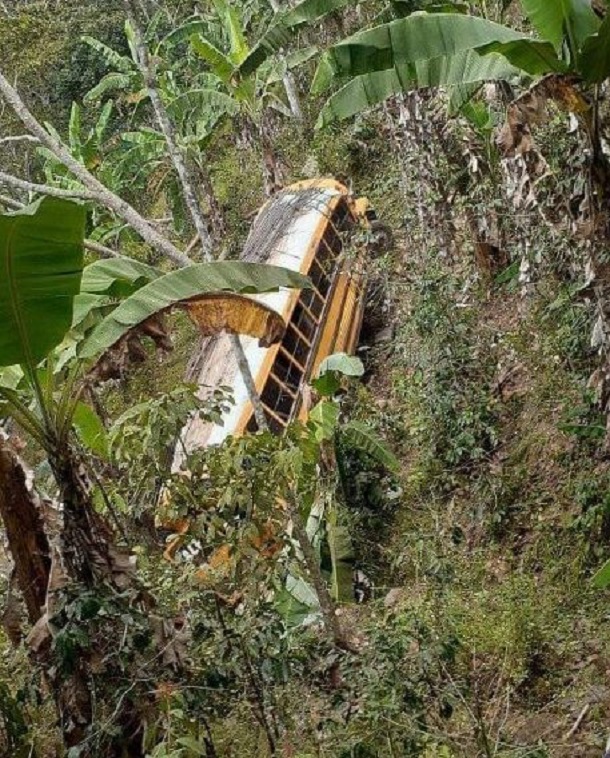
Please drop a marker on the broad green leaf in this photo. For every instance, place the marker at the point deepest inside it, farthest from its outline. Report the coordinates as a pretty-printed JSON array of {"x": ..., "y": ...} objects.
[
  {"x": 283, "y": 27},
  {"x": 554, "y": 19},
  {"x": 201, "y": 101},
  {"x": 419, "y": 38},
  {"x": 11, "y": 377},
  {"x": 217, "y": 60},
  {"x": 84, "y": 305},
  {"x": 74, "y": 129},
  {"x": 232, "y": 23},
  {"x": 360, "y": 436},
  {"x": 109, "y": 83},
  {"x": 601, "y": 578},
  {"x": 532, "y": 56},
  {"x": 103, "y": 121},
  {"x": 297, "y": 602},
  {"x": 324, "y": 418},
  {"x": 364, "y": 92},
  {"x": 90, "y": 430},
  {"x": 342, "y": 363},
  {"x": 184, "y": 32},
  {"x": 327, "y": 382},
  {"x": 113, "y": 59},
  {"x": 594, "y": 60},
  {"x": 198, "y": 282},
  {"x": 41, "y": 263},
  {"x": 117, "y": 277},
  {"x": 291, "y": 61}
]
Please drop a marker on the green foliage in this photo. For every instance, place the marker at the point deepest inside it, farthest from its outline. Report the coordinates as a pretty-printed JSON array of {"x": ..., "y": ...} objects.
[
  {"x": 41, "y": 255},
  {"x": 282, "y": 30},
  {"x": 117, "y": 277},
  {"x": 333, "y": 367},
  {"x": 177, "y": 287},
  {"x": 554, "y": 22},
  {"x": 449, "y": 50}
]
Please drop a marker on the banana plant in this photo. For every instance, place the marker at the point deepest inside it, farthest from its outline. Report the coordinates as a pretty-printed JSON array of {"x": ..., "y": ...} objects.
[
  {"x": 41, "y": 252},
  {"x": 124, "y": 79},
  {"x": 456, "y": 50},
  {"x": 321, "y": 443},
  {"x": 87, "y": 148},
  {"x": 249, "y": 97}
]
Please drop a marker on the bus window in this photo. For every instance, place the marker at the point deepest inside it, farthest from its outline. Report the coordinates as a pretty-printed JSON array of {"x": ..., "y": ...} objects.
[
  {"x": 320, "y": 279},
  {"x": 314, "y": 302},
  {"x": 296, "y": 344}
]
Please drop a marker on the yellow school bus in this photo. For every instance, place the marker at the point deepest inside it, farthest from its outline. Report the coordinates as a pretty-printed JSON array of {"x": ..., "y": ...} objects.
[{"x": 302, "y": 228}]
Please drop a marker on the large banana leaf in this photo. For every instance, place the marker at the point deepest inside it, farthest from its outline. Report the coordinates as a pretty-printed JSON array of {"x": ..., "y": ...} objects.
[
  {"x": 364, "y": 92},
  {"x": 419, "y": 38},
  {"x": 232, "y": 23},
  {"x": 195, "y": 283},
  {"x": 113, "y": 59},
  {"x": 204, "y": 100},
  {"x": 41, "y": 264},
  {"x": 360, "y": 437},
  {"x": 554, "y": 19},
  {"x": 282, "y": 29},
  {"x": 110, "y": 83},
  {"x": 183, "y": 33}
]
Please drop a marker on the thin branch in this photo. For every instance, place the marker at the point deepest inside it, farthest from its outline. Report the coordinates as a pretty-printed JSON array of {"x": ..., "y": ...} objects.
[
  {"x": 102, "y": 250},
  {"x": 147, "y": 68},
  {"x": 103, "y": 195},
  {"x": 14, "y": 205},
  {"x": 45, "y": 189},
  {"x": 246, "y": 375},
  {"x": 20, "y": 138}
]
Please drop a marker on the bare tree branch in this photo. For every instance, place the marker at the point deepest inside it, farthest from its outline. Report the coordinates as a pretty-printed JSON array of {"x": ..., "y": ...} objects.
[
  {"x": 45, "y": 189},
  {"x": 103, "y": 195},
  {"x": 102, "y": 250},
  {"x": 8, "y": 202},
  {"x": 20, "y": 138},
  {"x": 147, "y": 68}
]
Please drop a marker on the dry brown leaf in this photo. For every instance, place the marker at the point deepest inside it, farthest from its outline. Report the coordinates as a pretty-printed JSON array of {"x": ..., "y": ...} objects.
[{"x": 236, "y": 314}]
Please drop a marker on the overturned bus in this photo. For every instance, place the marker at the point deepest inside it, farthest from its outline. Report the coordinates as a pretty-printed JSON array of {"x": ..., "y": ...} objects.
[{"x": 302, "y": 228}]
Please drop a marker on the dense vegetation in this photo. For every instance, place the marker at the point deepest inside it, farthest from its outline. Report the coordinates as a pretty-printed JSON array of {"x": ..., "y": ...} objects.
[{"x": 455, "y": 483}]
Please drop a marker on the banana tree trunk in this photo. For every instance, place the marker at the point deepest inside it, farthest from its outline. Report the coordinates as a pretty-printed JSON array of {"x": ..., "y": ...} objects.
[
  {"x": 288, "y": 78},
  {"x": 22, "y": 516}
]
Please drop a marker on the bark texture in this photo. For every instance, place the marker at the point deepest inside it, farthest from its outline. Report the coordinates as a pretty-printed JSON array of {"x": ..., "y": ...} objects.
[{"x": 22, "y": 516}]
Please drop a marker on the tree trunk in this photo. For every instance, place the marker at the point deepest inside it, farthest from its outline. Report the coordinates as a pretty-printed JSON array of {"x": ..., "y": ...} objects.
[
  {"x": 272, "y": 174},
  {"x": 217, "y": 220},
  {"x": 22, "y": 515},
  {"x": 288, "y": 79}
]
